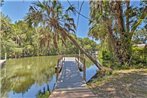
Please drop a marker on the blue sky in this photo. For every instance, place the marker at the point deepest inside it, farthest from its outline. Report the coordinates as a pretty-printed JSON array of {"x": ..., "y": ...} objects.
[{"x": 17, "y": 9}]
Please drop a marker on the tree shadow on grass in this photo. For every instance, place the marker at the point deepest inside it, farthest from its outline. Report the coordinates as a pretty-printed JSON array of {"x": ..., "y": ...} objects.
[{"x": 122, "y": 85}]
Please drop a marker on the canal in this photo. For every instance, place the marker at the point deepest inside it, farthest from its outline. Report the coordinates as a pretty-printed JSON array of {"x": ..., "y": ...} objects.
[{"x": 32, "y": 77}]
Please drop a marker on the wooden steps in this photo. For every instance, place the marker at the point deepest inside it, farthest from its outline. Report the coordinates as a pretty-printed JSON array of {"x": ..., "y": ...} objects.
[{"x": 73, "y": 93}]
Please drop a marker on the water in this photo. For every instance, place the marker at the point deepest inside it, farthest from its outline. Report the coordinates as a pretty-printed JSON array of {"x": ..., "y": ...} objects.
[
  {"x": 28, "y": 77},
  {"x": 90, "y": 72},
  {"x": 33, "y": 90}
]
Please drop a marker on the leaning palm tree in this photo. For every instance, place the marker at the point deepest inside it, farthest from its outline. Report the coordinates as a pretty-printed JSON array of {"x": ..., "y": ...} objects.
[{"x": 50, "y": 14}]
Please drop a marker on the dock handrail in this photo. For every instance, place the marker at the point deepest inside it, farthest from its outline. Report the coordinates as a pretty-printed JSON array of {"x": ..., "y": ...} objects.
[
  {"x": 78, "y": 59},
  {"x": 58, "y": 66},
  {"x": 82, "y": 60},
  {"x": 70, "y": 81}
]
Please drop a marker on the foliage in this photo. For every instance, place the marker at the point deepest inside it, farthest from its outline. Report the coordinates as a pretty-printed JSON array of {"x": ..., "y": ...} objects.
[
  {"x": 140, "y": 36},
  {"x": 114, "y": 23},
  {"x": 60, "y": 24},
  {"x": 139, "y": 55},
  {"x": 21, "y": 40},
  {"x": 89, "y": 45},
  {"x": 50, "y": 16},
  {"x": 52, "y": 24}
]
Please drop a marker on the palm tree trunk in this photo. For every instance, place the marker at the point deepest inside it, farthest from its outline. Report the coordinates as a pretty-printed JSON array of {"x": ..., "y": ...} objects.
[{"x": 82, "y": 50}]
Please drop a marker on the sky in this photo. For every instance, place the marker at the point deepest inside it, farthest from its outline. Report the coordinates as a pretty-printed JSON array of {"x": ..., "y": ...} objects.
[{"x": 17, "y": 9}]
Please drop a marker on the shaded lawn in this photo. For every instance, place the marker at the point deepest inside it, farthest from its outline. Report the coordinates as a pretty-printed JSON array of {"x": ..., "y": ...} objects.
[{"x": 121, "y": 84}]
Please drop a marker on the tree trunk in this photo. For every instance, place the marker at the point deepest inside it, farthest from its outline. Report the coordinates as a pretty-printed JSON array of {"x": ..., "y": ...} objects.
[
  {"x": 127, "y": 16},
  {"x": 82, "y": 50}
]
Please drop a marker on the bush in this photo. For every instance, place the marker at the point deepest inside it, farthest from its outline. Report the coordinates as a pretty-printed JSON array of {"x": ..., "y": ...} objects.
[{"x": 139, "y": 56}]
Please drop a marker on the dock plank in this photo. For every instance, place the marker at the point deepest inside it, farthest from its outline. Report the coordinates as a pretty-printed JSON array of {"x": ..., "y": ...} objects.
[{"x": 70, "y": 83}]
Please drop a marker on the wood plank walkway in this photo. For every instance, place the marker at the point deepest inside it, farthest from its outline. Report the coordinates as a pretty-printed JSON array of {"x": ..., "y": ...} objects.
[{"x": 70, "y": 83}]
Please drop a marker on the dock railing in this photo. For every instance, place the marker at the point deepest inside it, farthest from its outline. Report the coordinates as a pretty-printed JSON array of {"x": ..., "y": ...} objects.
[
  {"x": 79, "y": 60},
  {"x": 59, "y": 65},
  {"x": 83, "y": 67}
]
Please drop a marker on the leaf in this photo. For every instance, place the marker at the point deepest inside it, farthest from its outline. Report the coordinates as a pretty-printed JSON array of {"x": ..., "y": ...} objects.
[
  {"x": 71, "y": 9},
  {"x": 73, "y": 25},
  {"x": 66, "y": 25},
  {"x": 70, "y": 29}
]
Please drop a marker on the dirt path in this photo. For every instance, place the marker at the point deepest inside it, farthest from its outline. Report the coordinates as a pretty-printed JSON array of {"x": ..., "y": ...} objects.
[{"x": 121, "y": 84}]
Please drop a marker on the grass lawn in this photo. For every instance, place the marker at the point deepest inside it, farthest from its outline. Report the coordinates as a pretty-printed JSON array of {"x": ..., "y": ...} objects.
[{"x": 130, "y": 83}]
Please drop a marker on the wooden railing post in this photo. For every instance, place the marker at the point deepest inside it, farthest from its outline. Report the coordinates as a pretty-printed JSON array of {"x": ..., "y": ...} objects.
[
  {"x": 78, "y": 61},
  {"x": 62, "y": 61},
  {"x": 56, "y": 74},
  {"x": 84, "y": 69},
  {"x": 59, "y": 66},
  {"x": 57, "y": 69}
]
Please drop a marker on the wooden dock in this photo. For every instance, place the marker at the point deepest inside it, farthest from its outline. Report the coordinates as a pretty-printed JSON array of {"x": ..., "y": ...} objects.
[{"x": 70, "y": 83}]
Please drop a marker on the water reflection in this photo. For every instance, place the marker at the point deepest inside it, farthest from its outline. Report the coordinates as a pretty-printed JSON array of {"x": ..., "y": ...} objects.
[
  {"x": 34, "y": 90},
  {"x": 90, "y": 72},
  {"x": 25, "y": 74},
  {"x": 30, "y": 77}
]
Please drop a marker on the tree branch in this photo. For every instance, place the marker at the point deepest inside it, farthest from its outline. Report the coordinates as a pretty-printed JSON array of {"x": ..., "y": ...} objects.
[{"x": 137, "y": 23}]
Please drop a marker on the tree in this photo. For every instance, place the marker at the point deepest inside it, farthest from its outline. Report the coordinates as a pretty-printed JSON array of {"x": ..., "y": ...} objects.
[
  {"x": 50, "y": 14},
  {"x": 89, "y": 45},
  {"x": 6, "y": 43},
  {"x": 1, "y": 2},
  {"x": 116, "y": 22}
]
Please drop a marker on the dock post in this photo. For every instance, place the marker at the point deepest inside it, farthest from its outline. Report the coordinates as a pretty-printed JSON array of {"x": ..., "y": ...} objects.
[
  {"x": 84, "y": 70},
  {"x": 78, "y": 62},
  {"x": 57, "y": 73},
  {"x": 62, "y": 61},
  {"x": 57, "y": 70},
  {"x": 5, "y": 56}
]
